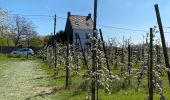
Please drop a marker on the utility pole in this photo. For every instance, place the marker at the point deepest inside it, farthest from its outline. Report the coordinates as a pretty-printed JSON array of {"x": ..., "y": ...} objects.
[
  {"x": 54, "y": 48},
  {"x": 94, "y": 60},
  {"x": 151, "y": 66},
  {"x": 162, "y": 39}
]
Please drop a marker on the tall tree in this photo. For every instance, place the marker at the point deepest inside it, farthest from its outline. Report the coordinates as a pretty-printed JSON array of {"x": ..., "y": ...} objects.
[
  {"x": 36, "y": 41},
  {"x": 61, "y": 37},
  {"x": 3, "y": 21},
  {"x": 21, "y": 28}
]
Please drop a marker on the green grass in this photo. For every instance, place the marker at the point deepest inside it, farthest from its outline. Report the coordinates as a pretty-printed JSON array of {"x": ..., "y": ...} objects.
[
  {"x": 32, "y": 80},
  {"x": 75, "y": 93},
  {"x": 3, "y": 57}
]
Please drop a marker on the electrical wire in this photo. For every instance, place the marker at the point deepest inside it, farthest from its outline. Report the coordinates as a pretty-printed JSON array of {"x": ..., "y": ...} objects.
[
  {"x": 106, "y": 26},
  {"x": 129, "y": 29},
  {"x": 41, "y": 19},
  {"x": 31, "y": 15}
]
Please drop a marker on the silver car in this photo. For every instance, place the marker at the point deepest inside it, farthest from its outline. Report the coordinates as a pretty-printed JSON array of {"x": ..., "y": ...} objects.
[{"x": 23, "y": 51}]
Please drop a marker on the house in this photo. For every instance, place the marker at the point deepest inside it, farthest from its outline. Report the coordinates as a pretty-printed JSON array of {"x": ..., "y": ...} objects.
[{"x": 81, "y": 26}]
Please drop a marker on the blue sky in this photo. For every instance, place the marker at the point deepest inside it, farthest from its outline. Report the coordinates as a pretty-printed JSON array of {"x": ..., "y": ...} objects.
[{"x": 133, "y": 14}]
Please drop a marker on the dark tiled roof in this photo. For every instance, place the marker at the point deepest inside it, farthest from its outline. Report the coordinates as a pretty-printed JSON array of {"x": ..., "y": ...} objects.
[{"x": 81, "y": 22}]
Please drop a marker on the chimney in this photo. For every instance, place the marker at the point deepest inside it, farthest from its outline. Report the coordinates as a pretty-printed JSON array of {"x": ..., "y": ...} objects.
[
  {"x": 88, "y": 17},
  {"x": 69, "y": 14}
]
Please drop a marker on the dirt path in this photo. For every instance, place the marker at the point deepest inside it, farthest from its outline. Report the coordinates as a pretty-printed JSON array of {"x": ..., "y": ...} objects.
[{"x": 19, "y": 79}]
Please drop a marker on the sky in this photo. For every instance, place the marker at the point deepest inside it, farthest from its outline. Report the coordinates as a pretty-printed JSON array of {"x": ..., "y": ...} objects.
[{"x": 128, "y": 14}]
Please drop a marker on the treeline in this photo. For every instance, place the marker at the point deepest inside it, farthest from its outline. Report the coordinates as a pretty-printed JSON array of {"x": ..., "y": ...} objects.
[{"x": 17, "y": 30}]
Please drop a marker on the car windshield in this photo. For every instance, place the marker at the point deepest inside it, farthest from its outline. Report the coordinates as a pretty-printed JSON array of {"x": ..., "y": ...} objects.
[{"x": 24, "y": 50}]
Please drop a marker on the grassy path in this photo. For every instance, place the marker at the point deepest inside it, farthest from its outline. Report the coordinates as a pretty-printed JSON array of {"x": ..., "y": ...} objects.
[
  {"x": 19, "y": 79},
  {"x": 32, "y": 80}
]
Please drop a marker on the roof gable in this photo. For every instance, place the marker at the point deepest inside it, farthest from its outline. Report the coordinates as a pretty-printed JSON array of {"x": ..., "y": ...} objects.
[{"x": 81, "y": 22}]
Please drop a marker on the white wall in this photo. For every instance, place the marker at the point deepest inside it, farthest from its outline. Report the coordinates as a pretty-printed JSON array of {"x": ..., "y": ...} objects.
[{"x": 82, "y": 34}]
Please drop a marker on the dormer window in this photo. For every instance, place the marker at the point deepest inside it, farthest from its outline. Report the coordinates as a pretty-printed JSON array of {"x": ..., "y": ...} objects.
[
  {"x": 87, "y": 24},
  {"x": 76, "y": 22}
]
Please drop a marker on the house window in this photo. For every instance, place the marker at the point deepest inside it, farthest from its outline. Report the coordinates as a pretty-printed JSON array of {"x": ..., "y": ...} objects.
[
  {"x": 87, "y": 36},
  {"x": 77, "y": 45},
  {"x": 88, "y": 45}
]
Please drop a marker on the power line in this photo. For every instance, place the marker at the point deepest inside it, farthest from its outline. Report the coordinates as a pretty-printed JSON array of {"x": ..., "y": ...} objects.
[
  {"x": 41, "y": 18},
  {"x": 166, "y": 27},
  {"x": 107, "y": 26},
  {"x": 32, "y": 15},
  {"x": 61, "y": 18},
  {"x": 120, "y": 28},
  {"x": 127, "y": 29}
]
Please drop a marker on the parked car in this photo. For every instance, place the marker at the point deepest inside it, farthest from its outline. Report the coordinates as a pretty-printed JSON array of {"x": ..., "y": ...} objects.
[{"x": 23, "y": 51}]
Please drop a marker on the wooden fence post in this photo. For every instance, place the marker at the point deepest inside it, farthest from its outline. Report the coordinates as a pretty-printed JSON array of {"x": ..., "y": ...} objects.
[
  {"x": 84, "y": 56},
  {"x": 54, "y": 48},
  {"x": 151, "y": 66},
  {"x": 27, "y": 47},
  {"x": 104, "y": 49},
  {"x": 129, "y": 63},
  {"x": 68, "y": 81},
  {"x": 94, "y": 52},
  {"x": 162, "y": 39}
]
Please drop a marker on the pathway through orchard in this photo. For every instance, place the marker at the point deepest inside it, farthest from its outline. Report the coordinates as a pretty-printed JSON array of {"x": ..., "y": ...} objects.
[{"x": 20, "y": 79}]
